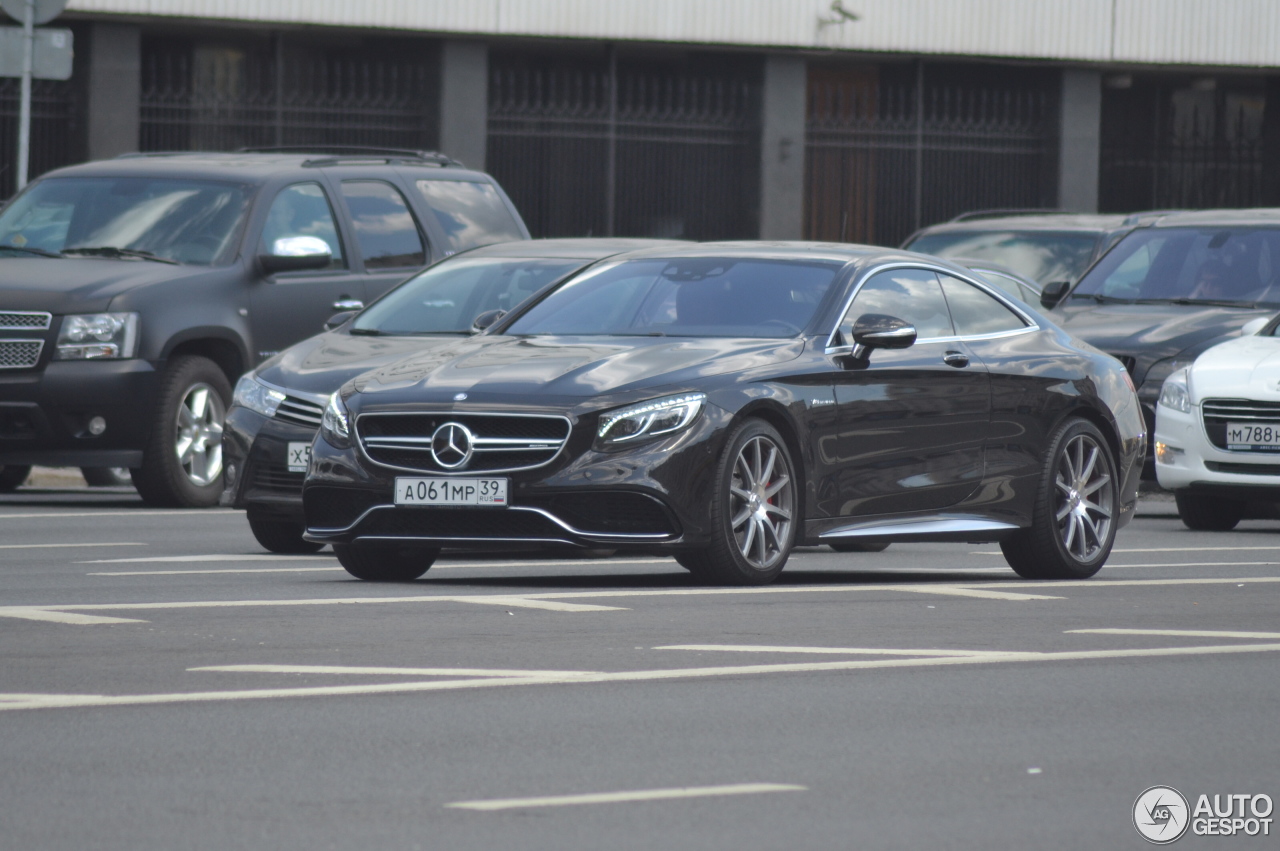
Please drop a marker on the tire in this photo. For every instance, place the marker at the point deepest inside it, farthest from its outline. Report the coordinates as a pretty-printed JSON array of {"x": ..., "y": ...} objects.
[
  {"x": 107, "y": 477},
  {"x": 182, "y": 462},
  {"x": 1207, "y": 513},
  {"x": 385, "y": 562},
  {"x": 860, "y": 546},
  {"x": 281, "y": 536},
  {"x": 1070, "y": 536},
  {"x": 754, "y": 509},
  {"x": 11, "y": 477}
]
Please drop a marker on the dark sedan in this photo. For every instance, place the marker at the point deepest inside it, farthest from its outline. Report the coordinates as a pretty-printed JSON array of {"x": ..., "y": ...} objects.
[
  {"x": 276, "y": 408},
  {"x": 724, "y": 403}
]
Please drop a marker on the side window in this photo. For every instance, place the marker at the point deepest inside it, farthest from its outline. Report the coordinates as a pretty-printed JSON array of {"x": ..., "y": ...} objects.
[
  {"x": 974, "y": 312},
  {"x": 469, "y": 213},
  {"x": 387, "y": 232},
  {"x": 303, "y": 210},
  {"x": 912, "y": 295}
]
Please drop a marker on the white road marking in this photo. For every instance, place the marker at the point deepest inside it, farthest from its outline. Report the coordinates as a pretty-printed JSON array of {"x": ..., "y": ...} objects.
[
  {"x": 1203, "y": 564},
  {"x": 840, "y": 651},
  {"x": 207, "y": 572},
  {"x": 124, "y": 513},
  {"x": 625, "y": 797},
  {"x": 31, "y": 613},
  {"x": 393, "y": 672},
  {"x": 434, "y": 567},
  {"x": 38, "y": 701},
  {"x": 65, "y": 546},
  {"x": 1190, "y": 633},
  {"x": 1117, "y": 583},
  {"x": 1150, "y": 550},
  {"x": 972, "y": 592}
]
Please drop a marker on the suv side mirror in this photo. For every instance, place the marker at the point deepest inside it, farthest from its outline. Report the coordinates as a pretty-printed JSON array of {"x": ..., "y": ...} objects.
[
  {"x": 296, "y": 254},
  {"x": 1053, "y": 293},
  {"x": 486, "y": 319}
]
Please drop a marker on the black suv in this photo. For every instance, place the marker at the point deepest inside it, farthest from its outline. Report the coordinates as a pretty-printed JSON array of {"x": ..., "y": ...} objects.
[{"x": 135, "y": 291}]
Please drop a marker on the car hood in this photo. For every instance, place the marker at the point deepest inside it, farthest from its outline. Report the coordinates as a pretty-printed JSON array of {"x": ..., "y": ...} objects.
[
  {"x": 543, "y": 370},
  {"x": 1248, "y": 368},
  {"x": 79, "y": 285},
  {"x": 323, "y": 363}
]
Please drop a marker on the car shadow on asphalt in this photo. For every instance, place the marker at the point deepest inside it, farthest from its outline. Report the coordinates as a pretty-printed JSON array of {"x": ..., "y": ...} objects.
[{"x": 672, "y": 579}]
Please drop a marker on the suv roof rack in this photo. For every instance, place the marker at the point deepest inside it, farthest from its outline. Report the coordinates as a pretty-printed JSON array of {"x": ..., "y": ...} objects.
[
  {"x": 335, "y": 153},
  {"x": 1014, "y": 211}
]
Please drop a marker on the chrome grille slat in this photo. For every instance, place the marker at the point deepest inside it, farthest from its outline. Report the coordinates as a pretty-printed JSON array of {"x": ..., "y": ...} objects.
[
  {"x": 400, "y": 441},
  {"x": 20, "y": 354},
  {"x": 300, "y": 411},
  {"x": 25, "y": 320}
]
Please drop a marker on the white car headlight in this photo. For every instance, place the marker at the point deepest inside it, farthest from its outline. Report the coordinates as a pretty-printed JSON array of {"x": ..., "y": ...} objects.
[
  {"x": 1175, "y": 394},
  {"x": 335, "y": 427},
  {"x": 91, "y": 336},
  {"x": 650, "y": 419},
  {"x": 253, "y": 394}
]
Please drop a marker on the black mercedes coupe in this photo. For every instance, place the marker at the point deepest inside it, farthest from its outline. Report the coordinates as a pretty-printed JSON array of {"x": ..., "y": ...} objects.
[{"x": 724, "y": 403}]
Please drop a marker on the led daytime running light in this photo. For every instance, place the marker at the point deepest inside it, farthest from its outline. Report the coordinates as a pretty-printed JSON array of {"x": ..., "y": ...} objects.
[{"x": 646, "y": 414}]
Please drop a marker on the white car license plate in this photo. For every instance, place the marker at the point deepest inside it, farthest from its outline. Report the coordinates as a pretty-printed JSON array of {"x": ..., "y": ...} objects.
[
  {"x": 492, "y": 492},
  {"x": 1253, "y": 437},
  {"x": 298, "y": 457}
]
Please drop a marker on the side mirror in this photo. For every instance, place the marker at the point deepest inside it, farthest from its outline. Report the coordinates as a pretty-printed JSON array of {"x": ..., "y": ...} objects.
[
  {"x": 486, "y": 319},
  {"x": 1253, "y": 326},
  {"x": 878, "y": 331},
  {"x": 1053, "y": 293},
  {"x": 339, "y": 319},
  {"x": 296, "y": 254}
]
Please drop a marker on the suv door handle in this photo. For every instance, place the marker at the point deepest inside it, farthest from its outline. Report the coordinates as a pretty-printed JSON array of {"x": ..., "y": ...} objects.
[
  {"x": 345, "y": 303},
  {"x": 957, "y": 359}
]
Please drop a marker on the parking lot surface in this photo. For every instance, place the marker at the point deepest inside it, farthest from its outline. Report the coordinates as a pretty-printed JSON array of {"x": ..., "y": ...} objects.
[{"x": 167, "y": 684}]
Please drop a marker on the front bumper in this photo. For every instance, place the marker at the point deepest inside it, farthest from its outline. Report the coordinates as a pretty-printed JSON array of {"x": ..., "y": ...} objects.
[
  {"x": 1189, "y": 461},
  {"x": 45, "y": 414},
  {"x": 255, "y": 457}
]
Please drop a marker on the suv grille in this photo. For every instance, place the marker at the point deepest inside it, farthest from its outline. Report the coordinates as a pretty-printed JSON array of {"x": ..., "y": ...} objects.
[
  {"x": 300, "y": 411},
  {"x": 24, "y": 320},
  {"x": 1218, "y": 412},
  {"x": 20, "y": 354},
  {"x": 501, "y": 442}
]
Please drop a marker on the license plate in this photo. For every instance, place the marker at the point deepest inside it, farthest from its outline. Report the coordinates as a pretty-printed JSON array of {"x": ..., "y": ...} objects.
[
  {"x": 1253, "y": 437},
  {"x": 492, "y": 492},
  {"x": 298, "y": 457}
]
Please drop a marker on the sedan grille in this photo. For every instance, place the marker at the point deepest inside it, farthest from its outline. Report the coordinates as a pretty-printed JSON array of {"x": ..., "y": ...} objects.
[
  {"x": 499, "y": 442},
  {"x": 1218, "y": 412},
  {"x": 300, "y": 412},
  {"x": 24, "y": 320},
  {"x": 20, "y": 354}
]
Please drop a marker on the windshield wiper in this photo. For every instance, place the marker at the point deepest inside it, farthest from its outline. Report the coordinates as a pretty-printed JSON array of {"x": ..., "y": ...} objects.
[
  {"x": 113, "y": 251},
  {"x": 366, "y": 332},
  {"x": 1103, "y": 299},
  {"x": 39, "y": 252},
  {"x": 1208, "y": 302}
]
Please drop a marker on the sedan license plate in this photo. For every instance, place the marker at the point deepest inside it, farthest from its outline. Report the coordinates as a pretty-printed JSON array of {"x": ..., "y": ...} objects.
[
  {"x": 1253, "y": 437},
  {"x": 492, "y": 492},
  {"x": 298, "y": 457}
]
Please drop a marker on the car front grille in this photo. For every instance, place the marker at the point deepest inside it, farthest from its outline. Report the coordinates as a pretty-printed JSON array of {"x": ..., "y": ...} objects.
[
  {"x": 300, "y": 412},
  {"x": 20, "y": 354},
  {"x": 1218, "y": 412},
  {"x": 502, "y": 442},
  {"x": 24, "y": 320},
  {"x": 461, "y": 523},
  {"x": 277, "y": 477}
]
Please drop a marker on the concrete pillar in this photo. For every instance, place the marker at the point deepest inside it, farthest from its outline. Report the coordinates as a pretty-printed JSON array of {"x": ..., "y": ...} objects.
[
  {"x": 1080, "y": 149},
  {"x": 464, "y": 101},
  {"x": 782, "y": 148},
  {"x": 114, "y": 89}
]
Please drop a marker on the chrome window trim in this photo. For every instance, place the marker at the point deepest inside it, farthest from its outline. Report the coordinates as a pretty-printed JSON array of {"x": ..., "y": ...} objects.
[{"x": 358, "y": 441}]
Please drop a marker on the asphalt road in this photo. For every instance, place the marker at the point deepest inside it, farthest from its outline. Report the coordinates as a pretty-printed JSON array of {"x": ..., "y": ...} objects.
[{"x": 165, "y": 684}]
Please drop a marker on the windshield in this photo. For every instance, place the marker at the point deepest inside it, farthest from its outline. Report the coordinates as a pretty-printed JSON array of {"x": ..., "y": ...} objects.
[
  {"x": 1043, "y": 256},
  {"x": 185, "y": 221},
  {"x": 447, "y": 297},
  {"x": 1230, "y": 266},
  {"x": 690, "y": 297}
]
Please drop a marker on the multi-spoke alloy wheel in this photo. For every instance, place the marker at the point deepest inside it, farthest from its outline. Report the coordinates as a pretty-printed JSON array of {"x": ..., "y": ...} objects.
[
  {"x": 753, "y": 510},
  {"x": 1073, "y": 523},
  {"x": 198, "y": 444},
  {"x": 182, "y": 464}
]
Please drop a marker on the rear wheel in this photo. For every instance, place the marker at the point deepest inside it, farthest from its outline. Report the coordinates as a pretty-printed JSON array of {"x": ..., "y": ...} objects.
[
  {"x": 860, "y": 546},
  {"x": 182, "y": 463},
  {"x": 1073, "y": 519},
  {"x": 11, "y": 477},
  {"x": 385, "y": 562},
  {"x": 281, "y": 536},
  {"x": 1207, "y": 513}
]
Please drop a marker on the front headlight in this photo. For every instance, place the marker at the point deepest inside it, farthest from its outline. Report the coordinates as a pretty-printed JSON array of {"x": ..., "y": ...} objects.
[
  {"x": 253, "y": 394},
  {"x": 91, "y": 336},
  {"x": 335, "y": 426},
  {"x": 1175, "y": 394},
  {"x": 1160, "y": 370},
  {"x": 650, "y": 419}
]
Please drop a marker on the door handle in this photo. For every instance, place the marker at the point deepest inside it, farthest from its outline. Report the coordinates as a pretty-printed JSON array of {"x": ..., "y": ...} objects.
[
  {"x": 957, "y": 359},
  {"x": 348, "y": 303}
]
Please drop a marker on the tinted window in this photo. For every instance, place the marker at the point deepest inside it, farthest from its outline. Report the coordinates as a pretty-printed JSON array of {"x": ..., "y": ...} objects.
[
  {"x": 1009, "y": 286},
  {"x": 470, "y": 214},
  {"x": 1041, "y": 256},
  {"x": 387, "y": 232},
  {"x": 447, "y": 297},
  {"x": 190, "y": 221},
  {"x": 688, "y": 297},
  {"x": 913, "y": 295},
  {"x": 1231, "y": 265},
  {"x": 302, "y": 210},
  {"x": 974, "y": 312}
]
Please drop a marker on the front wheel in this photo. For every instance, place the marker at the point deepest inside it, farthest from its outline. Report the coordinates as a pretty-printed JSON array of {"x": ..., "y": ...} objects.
[
  {"x": 281, "y": 536},
  {"x": 1208, "y": 514},
  {"x": 1073, "y": 517},
  {"x": 182, "y": 462},
  {"x": 385, "y": 562},
  {"x": 11, "y": 477}
]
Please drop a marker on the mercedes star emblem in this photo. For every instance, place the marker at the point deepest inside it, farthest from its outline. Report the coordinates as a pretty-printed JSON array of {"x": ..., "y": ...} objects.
[{"x": 452, "y": 445}]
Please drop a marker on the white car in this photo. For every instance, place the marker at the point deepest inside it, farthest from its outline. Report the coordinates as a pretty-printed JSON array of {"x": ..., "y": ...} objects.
[{"x": 1217, "y": 436}]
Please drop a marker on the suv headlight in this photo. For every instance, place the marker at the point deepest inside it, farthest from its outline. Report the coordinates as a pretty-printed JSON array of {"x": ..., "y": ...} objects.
[
  {"x": 650, "y": 419},
  {"x": 1176, "y": 394},
  {"x": 92, "y": 336},
  {"x": 335, "y": 426},
  {"x": 253, "y": 394}
]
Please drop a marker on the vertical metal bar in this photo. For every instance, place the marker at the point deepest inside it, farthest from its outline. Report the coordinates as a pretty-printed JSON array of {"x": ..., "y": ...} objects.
[
  {"x": 611, "y": 168},
  {"x": 279, "y": 87},
  {"x": 24, "y": 109},
  {"x": 919, "y": 188}
]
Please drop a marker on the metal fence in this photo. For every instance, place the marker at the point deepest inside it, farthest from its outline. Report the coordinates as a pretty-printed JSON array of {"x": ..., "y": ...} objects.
[
  {"x": 884, "y": 157},
  {"x": 217, "y": 99},
  {"x": 54, "y": 129},
  {"x": 627, "y": 152}
]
